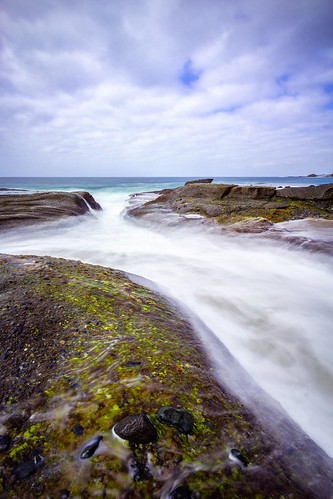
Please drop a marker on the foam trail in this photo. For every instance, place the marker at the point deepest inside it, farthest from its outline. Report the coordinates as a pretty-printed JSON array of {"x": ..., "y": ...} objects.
[{"x": 271, "y": 306}]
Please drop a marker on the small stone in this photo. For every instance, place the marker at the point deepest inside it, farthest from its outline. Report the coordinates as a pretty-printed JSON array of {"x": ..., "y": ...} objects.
[
  {"x": 78, "y": 430},
  {"x": 181, "y": 419},
  {"x": 181, "y": 492},
  {"x": 91, "y": 447},
  {"x": 236, "y": 456},
  {"x": 4, "y": 442},
  {"x": 64, "y": 494},
  {"x": 28, "y": 467},
  {"x": 133, "y": 363},
  {"x": 138, "y": 471},
  {"x": 137, "y": 429}
]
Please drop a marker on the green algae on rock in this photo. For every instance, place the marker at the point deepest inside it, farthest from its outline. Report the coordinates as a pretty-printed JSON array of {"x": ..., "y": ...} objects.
[
  {"x": 232, "y": 205},
  {"x": 84, "y": 347}
]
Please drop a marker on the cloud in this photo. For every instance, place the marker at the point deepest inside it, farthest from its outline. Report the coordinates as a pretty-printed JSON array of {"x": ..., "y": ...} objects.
[{"x": 166, "y": 88}]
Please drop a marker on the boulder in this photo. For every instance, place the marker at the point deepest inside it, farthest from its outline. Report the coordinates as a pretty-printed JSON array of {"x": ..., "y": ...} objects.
[{"x": 26, "y": 208}]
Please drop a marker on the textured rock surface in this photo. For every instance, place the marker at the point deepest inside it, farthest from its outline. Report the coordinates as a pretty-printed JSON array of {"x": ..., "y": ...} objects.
[
  {"x": 19, "y": 210},
  {"x": 68, "y": 331},
  {"x": 230, "y": 204}
]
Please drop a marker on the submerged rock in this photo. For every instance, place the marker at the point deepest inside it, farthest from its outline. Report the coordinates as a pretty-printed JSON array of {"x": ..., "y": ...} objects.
[
  {"x": 5, "y": 441},
  {"x": 89, "y": 449},
  {"x": 236, "y": 456},
  {"x": 137, "y": 429},
  {"x": 180, "y": 419}
]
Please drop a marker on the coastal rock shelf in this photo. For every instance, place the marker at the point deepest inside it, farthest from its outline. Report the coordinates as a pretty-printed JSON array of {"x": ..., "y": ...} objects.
[
  {"x": 241, "y": 208},
  {"x": 21, "y": 208},
  {"x": 106, "y": 392}
]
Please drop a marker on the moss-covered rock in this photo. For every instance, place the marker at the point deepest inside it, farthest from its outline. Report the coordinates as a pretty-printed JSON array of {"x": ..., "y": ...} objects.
[
  {"x": 229, "y": 204},
  {"x": 84, "y": 348}
]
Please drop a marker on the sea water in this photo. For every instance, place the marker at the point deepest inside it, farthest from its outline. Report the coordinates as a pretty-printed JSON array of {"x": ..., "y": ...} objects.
[{"x": 270, "y": 304}]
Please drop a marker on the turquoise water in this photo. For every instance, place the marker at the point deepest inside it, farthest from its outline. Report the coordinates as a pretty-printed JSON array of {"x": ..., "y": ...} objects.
[
  {"x": 137, "y": 184},
  {"x": 269, "y": 303}
]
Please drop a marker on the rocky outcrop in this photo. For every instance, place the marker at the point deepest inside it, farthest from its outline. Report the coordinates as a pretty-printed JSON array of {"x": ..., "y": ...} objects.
[
  {"x": 200, "y": 181},
  {"x": 69, "y": 334},
  {"x": 21, "y": 208},
  {"x": 231, "y": 204}
]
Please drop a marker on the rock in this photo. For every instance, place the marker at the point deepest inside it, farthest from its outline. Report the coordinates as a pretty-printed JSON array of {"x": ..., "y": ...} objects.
[
  {"x": 90, "y": 447},
  {"x": 181, "y": 492},
  {"x": 28, "y": 467},
  {"x": 137, "y": 429},
  {"x": 133, "y": 363},
  {"x": 64, "y": 494},
  {"x": 236, "y": 456},
  {"x": 19, "y": 210},
  {"x": 230, "y": 204},
  {"x": 78, "y": 430},
  {"x": 180, "y": 419},
  {"x": 5, "y": 442},
  {"x": 138, "y": 471},
  {"x": 200, "y": 181}
]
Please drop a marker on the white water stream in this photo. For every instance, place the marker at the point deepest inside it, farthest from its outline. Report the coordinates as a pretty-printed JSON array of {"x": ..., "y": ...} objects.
[{"x": 271, "y": 306}]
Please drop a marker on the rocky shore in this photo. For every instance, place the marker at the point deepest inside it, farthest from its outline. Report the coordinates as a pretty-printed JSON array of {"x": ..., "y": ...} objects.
[
  {"x": 242, "y": 208},
  {"x": 22, "y": 208},
  {"x": 106, "y": 392}
]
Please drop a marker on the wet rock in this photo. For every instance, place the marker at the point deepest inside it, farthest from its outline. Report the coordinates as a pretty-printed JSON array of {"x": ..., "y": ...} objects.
[
  {"x": 29, "y": 208},
  {"x": 28, "y": 467},
  {"x": 90, "y": 447},
  {"x": 133, "y": 363},
  {"x": 78, "y": 430},
  {"x": 181, "y": 492},
  {"x": 5, "y": 442},
  {"x": 138, "y": 471},
  {"x": 64, "y": 494},
  {"x": 236, "y": 456},
  {"x": 181, "y": 419},
  {"x": 137, "y": 429}
]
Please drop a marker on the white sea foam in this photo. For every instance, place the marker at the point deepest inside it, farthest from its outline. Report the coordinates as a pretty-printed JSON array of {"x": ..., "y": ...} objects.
[{"x": 271, "y": 306}]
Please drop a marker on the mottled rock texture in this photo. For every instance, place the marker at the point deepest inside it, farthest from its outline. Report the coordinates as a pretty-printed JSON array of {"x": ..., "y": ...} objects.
[
  {"x": 230, "y": 204},
  {"x": 24, "y": 208},
  {"x": 68, "y": 333}
]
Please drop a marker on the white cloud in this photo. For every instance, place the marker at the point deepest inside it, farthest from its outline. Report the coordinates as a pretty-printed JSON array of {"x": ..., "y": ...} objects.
[{"x": 98, "y": 85}]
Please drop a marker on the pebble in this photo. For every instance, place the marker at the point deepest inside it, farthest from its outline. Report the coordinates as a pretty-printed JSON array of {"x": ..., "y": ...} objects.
[
  {"x": 181, "y": 419},
  {"x": 236, "y": 456},
  {"x": 5, "y": 442},
  {"x": 91, "y": 447},
  {"x": 137, "y": 429}
]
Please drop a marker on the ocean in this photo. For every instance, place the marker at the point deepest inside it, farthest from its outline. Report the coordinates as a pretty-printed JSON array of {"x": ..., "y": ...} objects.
[{"x": 269, "y": 303}]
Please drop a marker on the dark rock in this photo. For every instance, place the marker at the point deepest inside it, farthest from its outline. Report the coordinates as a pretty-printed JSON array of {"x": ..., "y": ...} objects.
[
  {"x": 137, "y": 429},
  {"x": 90, "y": 447},
  {"x": 64, "y": 494},
  {"x": 236, "y": 456},
  {"x": 181, "y": 492},
  {"x": 17, "y": 210},
  {"x": 200, "y": 181},
  {"x": 28, "y": 467},
  {"x": 78, "y": 430},
  {"x": 5, "y": 442},
  {"x": 138, "y": 471},
  {"x": 180, "y": 419},
  {"x": 133, "y": 363}
]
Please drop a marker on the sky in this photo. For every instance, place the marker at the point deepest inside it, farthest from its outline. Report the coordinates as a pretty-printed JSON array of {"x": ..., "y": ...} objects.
[{"x": 166, "y": 87}]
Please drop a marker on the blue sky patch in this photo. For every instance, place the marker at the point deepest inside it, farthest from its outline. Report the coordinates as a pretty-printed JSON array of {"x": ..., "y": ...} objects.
[
  {"x": 189, "y": 74},
  {"x": 328, "y": 88}
]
